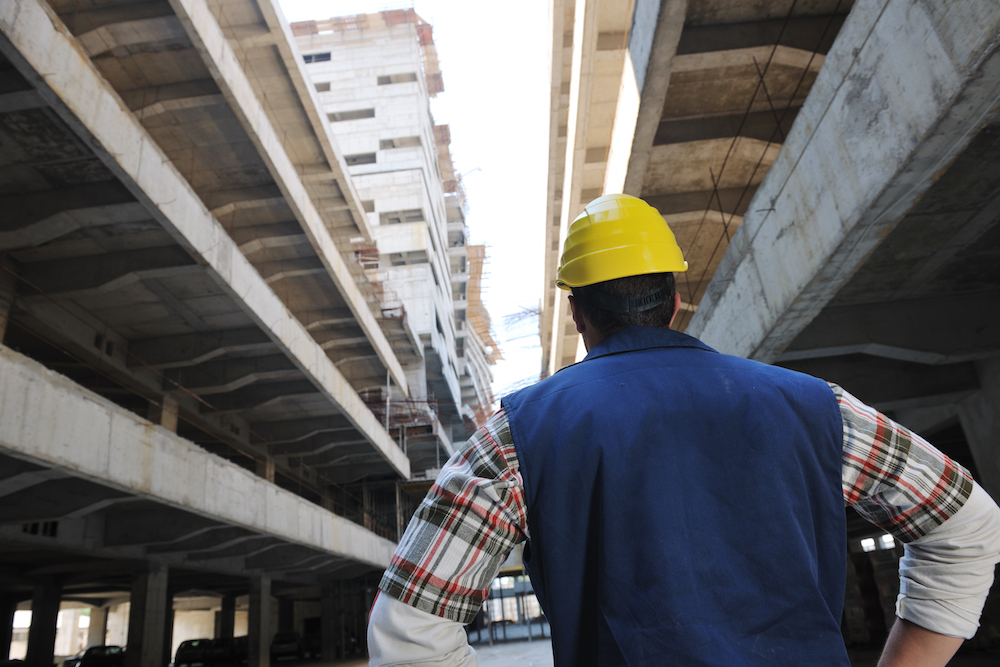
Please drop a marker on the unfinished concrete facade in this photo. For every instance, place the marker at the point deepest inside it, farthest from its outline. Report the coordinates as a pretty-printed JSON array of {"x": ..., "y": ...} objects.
[
  {"x": 375, "y": 75},
  {"x": 194, "y": 361},
  {"x": 829, "y": 169}
]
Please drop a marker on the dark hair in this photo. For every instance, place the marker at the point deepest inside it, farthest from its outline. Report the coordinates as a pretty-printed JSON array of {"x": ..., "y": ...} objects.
[{"x": 608, "y": 322}]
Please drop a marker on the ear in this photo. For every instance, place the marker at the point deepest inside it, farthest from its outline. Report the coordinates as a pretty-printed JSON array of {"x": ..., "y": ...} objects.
[
  {"x": 578, "y": 318},
  {"x": 677, "y": 307}
]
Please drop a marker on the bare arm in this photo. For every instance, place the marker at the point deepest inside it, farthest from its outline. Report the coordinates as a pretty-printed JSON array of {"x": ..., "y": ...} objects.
[{"x": 910, "y": 645}]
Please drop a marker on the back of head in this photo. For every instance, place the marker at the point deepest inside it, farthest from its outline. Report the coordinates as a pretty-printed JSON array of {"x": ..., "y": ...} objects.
[{"x": 618, "y": 260}]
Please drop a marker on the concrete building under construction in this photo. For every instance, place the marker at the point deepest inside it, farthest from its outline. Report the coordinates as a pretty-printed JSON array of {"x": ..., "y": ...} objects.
[
  {"x": 216, "y": 391},
  {"x": 829, "y": 170}
]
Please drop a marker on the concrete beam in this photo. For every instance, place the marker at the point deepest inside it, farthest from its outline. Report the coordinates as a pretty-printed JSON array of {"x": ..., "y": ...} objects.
[
  {"x": 153, "y": 100},
  {"x": 26, "y": 209},
  {"x": 656, "y": 31},
  {"x": 315, "y": 445},
  {"x": 17, "y": 482},
  {"x": 57, "y": 499},
  {"x": 296, "y": 430},
  {"x": 808, "y": 33},
  {"x": 31, "y": 39},
  {"x": 153, "y": 526},
  {"x": 162, "y": 33},
  {"x": 217, "y": 377},
  {"x": 904, "y": 89},
  {"x": 205, "y": 541},
  {"x": 253, "y": 396},
  {"x": 21, "y": 100},
  {"x": 891, "y": 384},
  {"x": 205, "y": 33},
  {"x": 33, "y": 231},
  {"x": 108, "y": 271},
  {"x": 943, "y": 330},
  {"x": 40, "y": 417},
  {"x": 195, "y": 349}
]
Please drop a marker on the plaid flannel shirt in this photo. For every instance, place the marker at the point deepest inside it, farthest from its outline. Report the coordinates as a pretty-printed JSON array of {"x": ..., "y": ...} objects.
[{"x": 475, "y": 513}]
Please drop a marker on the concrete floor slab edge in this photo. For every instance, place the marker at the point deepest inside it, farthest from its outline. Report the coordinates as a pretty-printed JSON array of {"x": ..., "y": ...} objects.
[
  {"x": 48, "y": 419},
  {"x": 817, "y": 219},
  {"x": 289, "y": 51},
  {"x": 67, "y": 79},
  {"x": 207, "y": 36}
]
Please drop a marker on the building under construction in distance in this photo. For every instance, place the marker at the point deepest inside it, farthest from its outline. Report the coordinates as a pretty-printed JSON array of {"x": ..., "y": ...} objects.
[{"x": 241, "y": 323}]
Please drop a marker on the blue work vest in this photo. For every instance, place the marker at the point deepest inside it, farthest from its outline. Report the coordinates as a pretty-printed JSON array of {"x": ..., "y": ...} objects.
[{"x": 684, "y": 507}]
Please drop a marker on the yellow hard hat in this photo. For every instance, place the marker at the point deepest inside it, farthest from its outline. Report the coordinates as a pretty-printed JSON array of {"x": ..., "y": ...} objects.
[{"x": 617, "y": 236}]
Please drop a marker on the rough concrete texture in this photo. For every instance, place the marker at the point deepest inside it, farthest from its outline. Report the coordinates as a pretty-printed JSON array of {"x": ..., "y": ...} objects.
[
  {"x": 49, "y": 420},
  {"x": 900, "y": 95},
  {"x": 232, "y": 78},
  {"x": 70, "y": 83}
]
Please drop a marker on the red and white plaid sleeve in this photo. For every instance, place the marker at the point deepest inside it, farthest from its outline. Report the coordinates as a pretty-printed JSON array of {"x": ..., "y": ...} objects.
[
  {"x": 893, "y": 477},
  {"x": 471, "y": 518}
]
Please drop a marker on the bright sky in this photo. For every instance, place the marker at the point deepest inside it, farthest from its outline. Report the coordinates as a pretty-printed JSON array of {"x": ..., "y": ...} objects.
[{"x": 495, "y": 61}]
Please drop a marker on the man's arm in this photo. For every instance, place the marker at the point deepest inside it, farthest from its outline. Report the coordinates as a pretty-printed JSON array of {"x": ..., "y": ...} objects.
[
  {"x": 438, "y": 579},
  {"x": 910, "y": 645},
  {"x": 949, "y": 525}
]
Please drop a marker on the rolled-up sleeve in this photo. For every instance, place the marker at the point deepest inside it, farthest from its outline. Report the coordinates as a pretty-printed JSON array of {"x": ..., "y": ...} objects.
[{"x": 949, "y": 525}]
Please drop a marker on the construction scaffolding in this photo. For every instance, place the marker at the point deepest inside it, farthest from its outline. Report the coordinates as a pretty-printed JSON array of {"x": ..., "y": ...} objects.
[{"x": 478, "y": 316}]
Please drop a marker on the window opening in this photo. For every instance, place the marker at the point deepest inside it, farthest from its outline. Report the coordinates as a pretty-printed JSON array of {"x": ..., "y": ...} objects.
[
  {"x": 323, "y": 87},
  {"x": 316, "y": 57},
  {"x": 399, "y": 142},
  {"x": 408, "y": 77},
  {"x": 397, "y": 217},
  {"x": 354, "y": 114},
  {"x": 359, "y": 158}
]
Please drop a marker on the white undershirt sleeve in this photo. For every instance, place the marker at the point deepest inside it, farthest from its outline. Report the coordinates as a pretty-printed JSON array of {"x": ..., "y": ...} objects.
[
  {"x": 946, "y": 574},
  {"x": 400, "y": 635}
]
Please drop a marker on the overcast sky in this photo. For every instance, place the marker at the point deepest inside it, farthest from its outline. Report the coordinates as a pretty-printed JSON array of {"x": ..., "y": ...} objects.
[{"x": 495, "y": 61}]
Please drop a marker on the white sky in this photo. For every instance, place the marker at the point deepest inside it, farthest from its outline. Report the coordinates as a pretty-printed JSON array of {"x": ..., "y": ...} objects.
[{"x": 495, "y": 61}]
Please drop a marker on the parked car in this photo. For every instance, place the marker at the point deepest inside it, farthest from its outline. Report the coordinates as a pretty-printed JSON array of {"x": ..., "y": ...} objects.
[
  {"x": 191, "y": 653},
  {"x": 231, "y": 651},
  {"x": 97, "y": 656},
  {"x": 286, "y": 645}
]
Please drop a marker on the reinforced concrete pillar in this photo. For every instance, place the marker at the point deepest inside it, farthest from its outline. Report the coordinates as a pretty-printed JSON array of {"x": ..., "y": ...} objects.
[
  {"x": 286, "y": 615},
  {"x": 980, "y": 418},
  {"x": 42, "y": 633},
  {"x": 168, "y": 628},
  {"x": 259, "y": 622},
  {"x": 265, "y": 469},
  {"x": 146, "y": 619},
  {"x": 165, "y": 413},
  {"x": 8, "y": 287},
  {"x": 8, "y": 605},
  {"x": 98, "y": 627},
  {"x": 227, "y": 618},
  {"x": 331, "y": 627}
]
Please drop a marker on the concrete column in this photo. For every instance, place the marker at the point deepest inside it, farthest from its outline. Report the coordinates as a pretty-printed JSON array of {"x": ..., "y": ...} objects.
[
  {"x": 8, "y": 605},
  {"x": 165, "y": 413},
  {"x": 227, "y": 618},
  {"x": 8, "y": 287},
  {"x": 146, "y": 620},
  {"x": 286, "y": 615},
  {"x": 366, "y": 504},
  {"x": 259, "y": 622},
  {"x": 265, "y": 469},
  {"x": 168, "y": 628},
  {"x": 42, "y": 633},
  {"x": 328, "y": 623},
  {"x": 98, "y": 626},
  {"x": 980, "y": 418}
]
